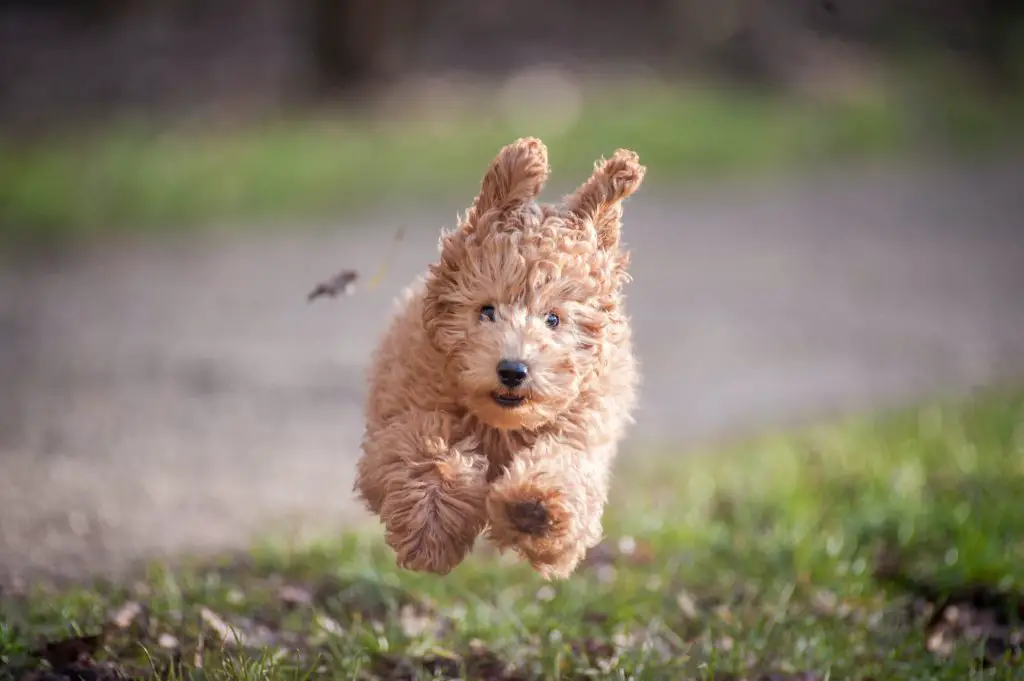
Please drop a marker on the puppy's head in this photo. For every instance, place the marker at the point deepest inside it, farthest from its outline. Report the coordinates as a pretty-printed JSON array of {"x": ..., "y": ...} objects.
[{"x": 525, "y": 299}]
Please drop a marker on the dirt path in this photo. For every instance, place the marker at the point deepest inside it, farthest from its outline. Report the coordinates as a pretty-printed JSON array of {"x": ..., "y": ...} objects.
[{"x": 160, "y": 398}]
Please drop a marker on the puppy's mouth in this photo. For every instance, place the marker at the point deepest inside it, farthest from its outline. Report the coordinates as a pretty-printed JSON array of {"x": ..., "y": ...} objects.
[{"x": 508, "y": 400}]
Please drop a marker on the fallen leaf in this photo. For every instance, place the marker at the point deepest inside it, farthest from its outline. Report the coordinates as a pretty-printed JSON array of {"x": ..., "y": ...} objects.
[
  {"x": 725, "y": 643},
  {"x": 939, "y": 643},
  {"x": 199, "y": 656},
  {"x": 294, "y": 595},
  {"x": 329, "y": 625},
  {"x": 167, "y": 641},
  {"x": 415, "y": 623},
  {"x": 124, "y": 617},
  {"x": 687, "y": 605},
  {"x": 825, "y": 602},
  {"x": 226, "y": 634}
]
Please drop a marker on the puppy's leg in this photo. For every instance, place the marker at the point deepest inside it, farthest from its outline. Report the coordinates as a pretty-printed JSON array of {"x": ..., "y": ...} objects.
[
  {"x": 430, "y": 493},
  {"x": 548, "y": 506}
]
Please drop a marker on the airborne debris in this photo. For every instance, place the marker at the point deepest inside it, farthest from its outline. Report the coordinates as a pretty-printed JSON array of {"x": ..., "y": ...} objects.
[{"x": 344, "y": 282}]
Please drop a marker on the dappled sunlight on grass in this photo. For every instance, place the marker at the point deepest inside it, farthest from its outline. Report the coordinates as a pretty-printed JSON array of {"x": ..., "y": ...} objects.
[{"x": 878, "y": 548}]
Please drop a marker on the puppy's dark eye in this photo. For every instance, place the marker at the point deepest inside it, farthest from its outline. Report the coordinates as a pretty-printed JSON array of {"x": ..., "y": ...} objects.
[
  {"x": 552, "y": 320},
  {"x": 487, "y": 313}
]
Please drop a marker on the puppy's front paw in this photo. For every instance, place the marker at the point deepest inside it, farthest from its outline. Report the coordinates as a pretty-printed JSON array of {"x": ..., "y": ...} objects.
[
  {"x": 434, "y": 516},
  {"x": 520, "y": 512},
  {"x": 529, "y": 517},
  {"x": 538, "y": 523},
  {"x": 429, "y": 549}
]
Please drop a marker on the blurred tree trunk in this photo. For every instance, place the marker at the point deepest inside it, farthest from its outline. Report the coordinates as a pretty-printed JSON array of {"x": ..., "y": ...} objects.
[
  {"x": 358, "y": 42},
  {"x": 1002, "y": 30}
]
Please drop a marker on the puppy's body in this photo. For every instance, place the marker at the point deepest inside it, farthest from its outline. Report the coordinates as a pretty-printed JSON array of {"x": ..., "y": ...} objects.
[{"x": 506, "y": 380}]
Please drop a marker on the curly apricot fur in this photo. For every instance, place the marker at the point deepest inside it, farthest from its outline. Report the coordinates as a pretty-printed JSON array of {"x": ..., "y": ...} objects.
[{"x": 443, "y": 460}]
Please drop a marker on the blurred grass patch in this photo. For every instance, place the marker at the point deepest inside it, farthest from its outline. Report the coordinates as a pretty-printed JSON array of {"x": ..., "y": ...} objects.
[
  {"x": 880, "y": 548},
  {"x": 135, "y": 178}
]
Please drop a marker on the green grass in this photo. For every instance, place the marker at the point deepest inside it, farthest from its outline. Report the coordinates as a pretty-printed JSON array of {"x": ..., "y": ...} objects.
[
  {"x": 817, "y": 553},
  {"x": 136, "y": 177}
]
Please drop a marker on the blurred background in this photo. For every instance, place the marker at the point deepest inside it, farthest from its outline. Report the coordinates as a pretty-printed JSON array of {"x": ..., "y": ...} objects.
[{"x": 831, "y": 223}]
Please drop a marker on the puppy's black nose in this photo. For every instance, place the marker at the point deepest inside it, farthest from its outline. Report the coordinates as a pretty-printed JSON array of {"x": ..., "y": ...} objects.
[{"x": 511, "y": 372}]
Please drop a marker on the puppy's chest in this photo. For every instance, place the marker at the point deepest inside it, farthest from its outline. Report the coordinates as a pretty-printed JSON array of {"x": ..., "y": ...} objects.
[{"x": 500, "y": 447}]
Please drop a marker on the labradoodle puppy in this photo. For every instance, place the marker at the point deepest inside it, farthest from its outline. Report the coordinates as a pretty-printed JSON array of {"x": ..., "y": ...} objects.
[{"x": 505, "y": 382}]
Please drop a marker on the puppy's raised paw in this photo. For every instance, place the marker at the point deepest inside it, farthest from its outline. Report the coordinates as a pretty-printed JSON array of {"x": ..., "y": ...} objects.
[
  {"x": 524, "y": 517},
  {"x": 530, "y": 517},
  {"x": 539, "y": 528}
]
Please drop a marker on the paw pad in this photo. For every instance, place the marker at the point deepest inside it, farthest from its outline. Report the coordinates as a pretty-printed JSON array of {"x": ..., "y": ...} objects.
[{"x": 529, "y": 517}]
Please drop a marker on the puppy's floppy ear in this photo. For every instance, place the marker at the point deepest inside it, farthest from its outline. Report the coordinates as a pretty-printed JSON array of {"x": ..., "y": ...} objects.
[
  {"x": 516, "y": 175},
  {"x": 599, "y": 199}
]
